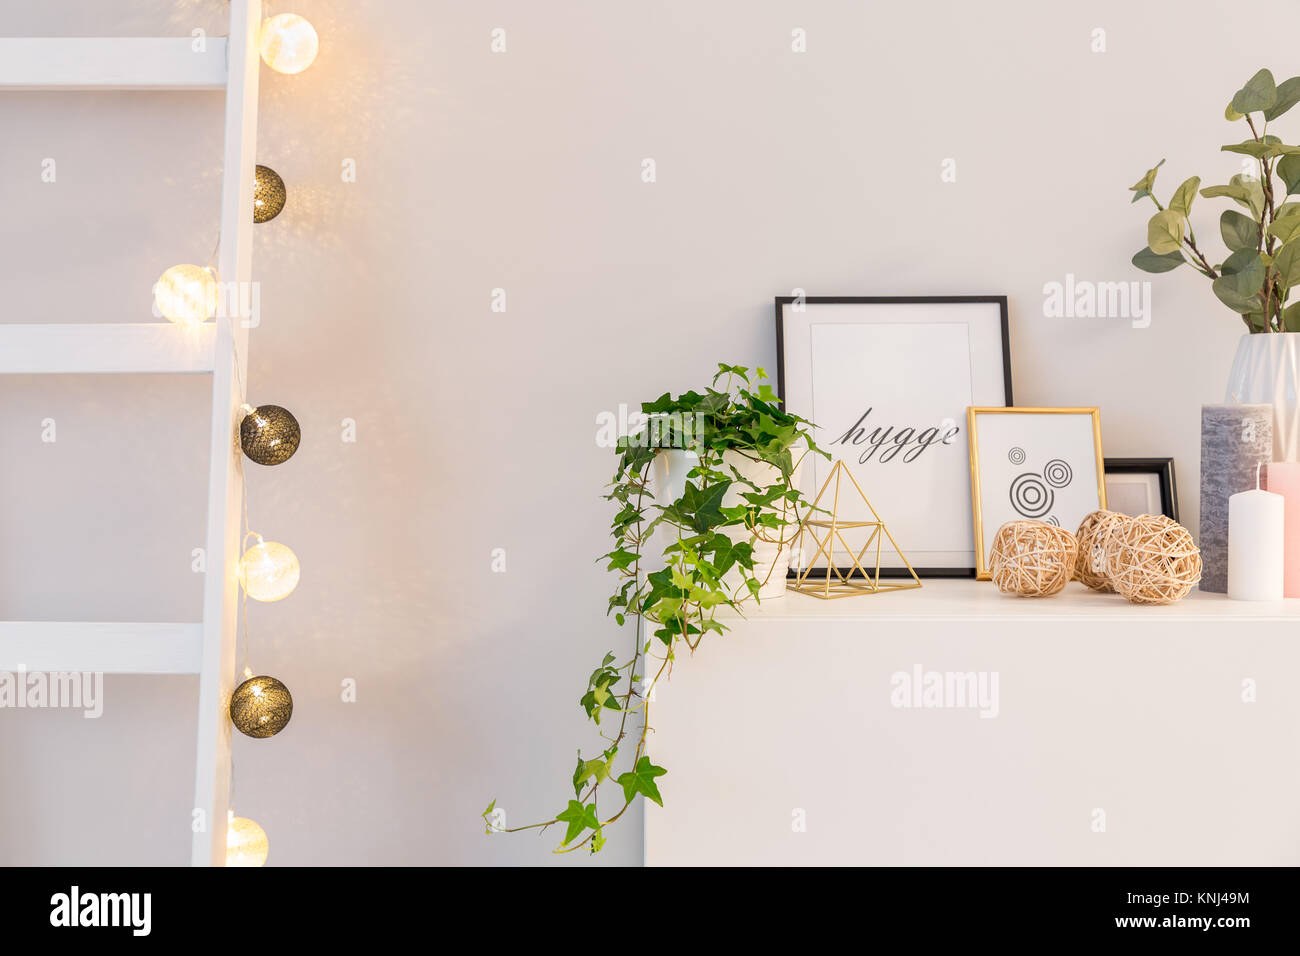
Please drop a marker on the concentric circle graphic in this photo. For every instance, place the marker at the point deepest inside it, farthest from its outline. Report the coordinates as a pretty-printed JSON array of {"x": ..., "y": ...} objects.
[
  {"x": 1053, "y": 520},
  {"x": 1016, "y": 456},
  {"x": 1058, "y": 473},
  {"x": 1030, "y": 495}
]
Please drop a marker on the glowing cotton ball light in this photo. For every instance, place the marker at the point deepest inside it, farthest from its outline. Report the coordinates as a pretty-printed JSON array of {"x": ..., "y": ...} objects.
[
  {"x": 186, "y": 294},
  {"x": 246, "y": 843},
  {"x": 289, "y": 43},
  {"x": 269, "y": 571}
]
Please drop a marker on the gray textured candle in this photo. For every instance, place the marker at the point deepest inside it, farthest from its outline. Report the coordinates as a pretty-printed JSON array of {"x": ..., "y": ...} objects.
[{"x": 1234, "y": 439}]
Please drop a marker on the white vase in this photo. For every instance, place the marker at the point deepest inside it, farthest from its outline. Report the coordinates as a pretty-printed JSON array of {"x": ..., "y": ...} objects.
[{"x": 1266, "y": 371}]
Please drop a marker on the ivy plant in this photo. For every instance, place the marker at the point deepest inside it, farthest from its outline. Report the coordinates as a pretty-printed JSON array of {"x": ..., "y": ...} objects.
[
  {"x": 1263, "y": 264},
  {"x": 671, "y": 594}
]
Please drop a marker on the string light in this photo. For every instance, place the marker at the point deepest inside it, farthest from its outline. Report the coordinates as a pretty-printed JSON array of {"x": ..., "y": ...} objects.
[
  {"x": 269, "y": 434},
  {"x": 246, "y": 843},
  {"x": 289, "y": 43},
  {"x": 269, "y": 570},
  {"x": 269, "y": 194},
  {"x": 261, "y": 707},
  {"x": 186, "y": 294}
]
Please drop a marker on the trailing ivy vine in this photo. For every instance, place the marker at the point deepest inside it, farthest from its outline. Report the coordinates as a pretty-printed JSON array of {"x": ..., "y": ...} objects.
[{"x": 676, "y": 601}]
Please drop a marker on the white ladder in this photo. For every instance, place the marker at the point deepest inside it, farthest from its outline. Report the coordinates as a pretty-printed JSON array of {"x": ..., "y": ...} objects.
[{"x": 208, "y": 648}]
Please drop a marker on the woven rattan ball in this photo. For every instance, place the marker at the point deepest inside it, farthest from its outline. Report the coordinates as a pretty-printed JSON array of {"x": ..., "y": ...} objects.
[
  {"x": 1032, "y": 558},
  {"x": 1152, "y": 560},
  {"x": 1094, "y": 536}
]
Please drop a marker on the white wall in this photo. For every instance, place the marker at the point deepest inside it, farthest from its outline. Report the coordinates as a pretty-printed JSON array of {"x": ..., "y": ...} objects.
[{"x": 476, "y": 430}]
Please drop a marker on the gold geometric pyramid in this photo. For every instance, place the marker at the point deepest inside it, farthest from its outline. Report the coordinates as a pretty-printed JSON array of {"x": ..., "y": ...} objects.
[{"x": 837, "y": 583}]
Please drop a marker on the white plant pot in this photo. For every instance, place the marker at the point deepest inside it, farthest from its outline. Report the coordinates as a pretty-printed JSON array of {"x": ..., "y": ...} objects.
[
  {"x": 1266, "y": 371},
  {"x": 771, "y": 563}
]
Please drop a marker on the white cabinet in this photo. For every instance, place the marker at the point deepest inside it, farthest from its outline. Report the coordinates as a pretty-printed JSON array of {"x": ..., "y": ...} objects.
[{"x": 1119, "y": 734}]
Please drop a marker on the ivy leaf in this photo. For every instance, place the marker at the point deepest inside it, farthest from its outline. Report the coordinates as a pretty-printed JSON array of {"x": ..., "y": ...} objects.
[
  {"x": 1259, "y": 93},
  {"x": 1288, "y": 95},
  {"x": 1184, "y": 194},
  {"x": 621, "y": 559},
  {"x": 1238, "y": 231},
  {"x": 1148, "y": 261},
  {"x": 596, "y": 769},
  {"x": 642, "y": 780},
  {"x": 1165, "y": 232},
  {"x": 578, "y": 818}
]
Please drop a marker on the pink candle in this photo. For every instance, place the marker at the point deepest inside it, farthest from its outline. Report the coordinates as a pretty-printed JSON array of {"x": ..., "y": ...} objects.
[{"x": 1283, "y": 479}]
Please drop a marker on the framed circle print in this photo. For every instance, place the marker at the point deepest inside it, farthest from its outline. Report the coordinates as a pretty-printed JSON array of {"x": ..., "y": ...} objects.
[{"x": 1033, "y": 464}]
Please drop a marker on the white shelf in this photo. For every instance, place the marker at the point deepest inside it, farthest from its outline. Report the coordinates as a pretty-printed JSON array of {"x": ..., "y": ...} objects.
[
  {"x": 112, "y": 63},
  {"x": 110, "y": 648},
  {"x": 130, "y": 347},
  {"x": 965, "y": 599}
]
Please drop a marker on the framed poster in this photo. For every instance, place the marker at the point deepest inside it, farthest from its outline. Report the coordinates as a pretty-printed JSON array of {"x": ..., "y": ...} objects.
[
  {"x": 1142, "y": 486},
  {"x": 887, "y": 382},
  {"x": 1033, "y": 464}
]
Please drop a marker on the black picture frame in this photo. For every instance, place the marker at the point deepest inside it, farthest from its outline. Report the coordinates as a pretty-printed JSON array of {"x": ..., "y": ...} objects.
[
  {"x": 782, "y": 301},
  {"x": 1163, "y": 468}
]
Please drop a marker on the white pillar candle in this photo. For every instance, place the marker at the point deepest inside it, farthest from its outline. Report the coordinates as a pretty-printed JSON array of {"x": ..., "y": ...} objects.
[{"x": 1256, "y": 523}]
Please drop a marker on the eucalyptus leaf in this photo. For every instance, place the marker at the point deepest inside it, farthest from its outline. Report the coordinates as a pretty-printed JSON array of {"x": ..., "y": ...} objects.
[
  {"x": 1182, "y": 199},
  {"x": 1231, "y": 115},
  {"x": 1236, "y": 301},
  {"x": 1148, "y": 261},
  {"x": 1254, "y": 193},
  {"x": 1260, "y": 150},
  {"x": 1288, "y": 95},
  {"x": 1289, "y": 170},
  {"x": 1291, "y": 318},
  {"x": 1142, "y": 187},
  {"x": 1240, "y": 193},
  {"x": 1287, "y": 265},
  {"x": 1238, "y": 231},
  {"x": 1286, "y": 210},
  {"x": 1244, "y": 260},
  {"x": 1165, "y": 232},
  {"x": 1259, "y": 93},
  {"x": 1284, "y": 229}
]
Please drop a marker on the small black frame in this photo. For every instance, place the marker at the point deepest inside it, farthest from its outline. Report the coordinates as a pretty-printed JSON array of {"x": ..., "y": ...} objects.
[{"x": 1163, "y": 468}]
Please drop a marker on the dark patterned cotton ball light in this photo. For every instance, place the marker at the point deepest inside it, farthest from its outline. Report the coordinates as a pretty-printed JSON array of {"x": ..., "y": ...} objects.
[
  {"x": 260, "y": 707},
  {"x": 269, "y": 434},
  {"x": 269, "y": 194}
]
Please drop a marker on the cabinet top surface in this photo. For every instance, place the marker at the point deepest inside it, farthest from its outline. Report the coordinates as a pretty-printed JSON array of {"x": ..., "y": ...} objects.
[{"x": 964, "y": 599}]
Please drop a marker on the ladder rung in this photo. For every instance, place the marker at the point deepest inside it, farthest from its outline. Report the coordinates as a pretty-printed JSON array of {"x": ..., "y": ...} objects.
[
  {"x": 128, "y": 347},
  {"x": 110, "y": 648},
  {"x": 112, "y": 63}
]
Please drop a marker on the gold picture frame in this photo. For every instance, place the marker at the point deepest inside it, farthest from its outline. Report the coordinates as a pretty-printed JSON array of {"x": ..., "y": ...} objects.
[{"x": 1043, "y": 496}]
